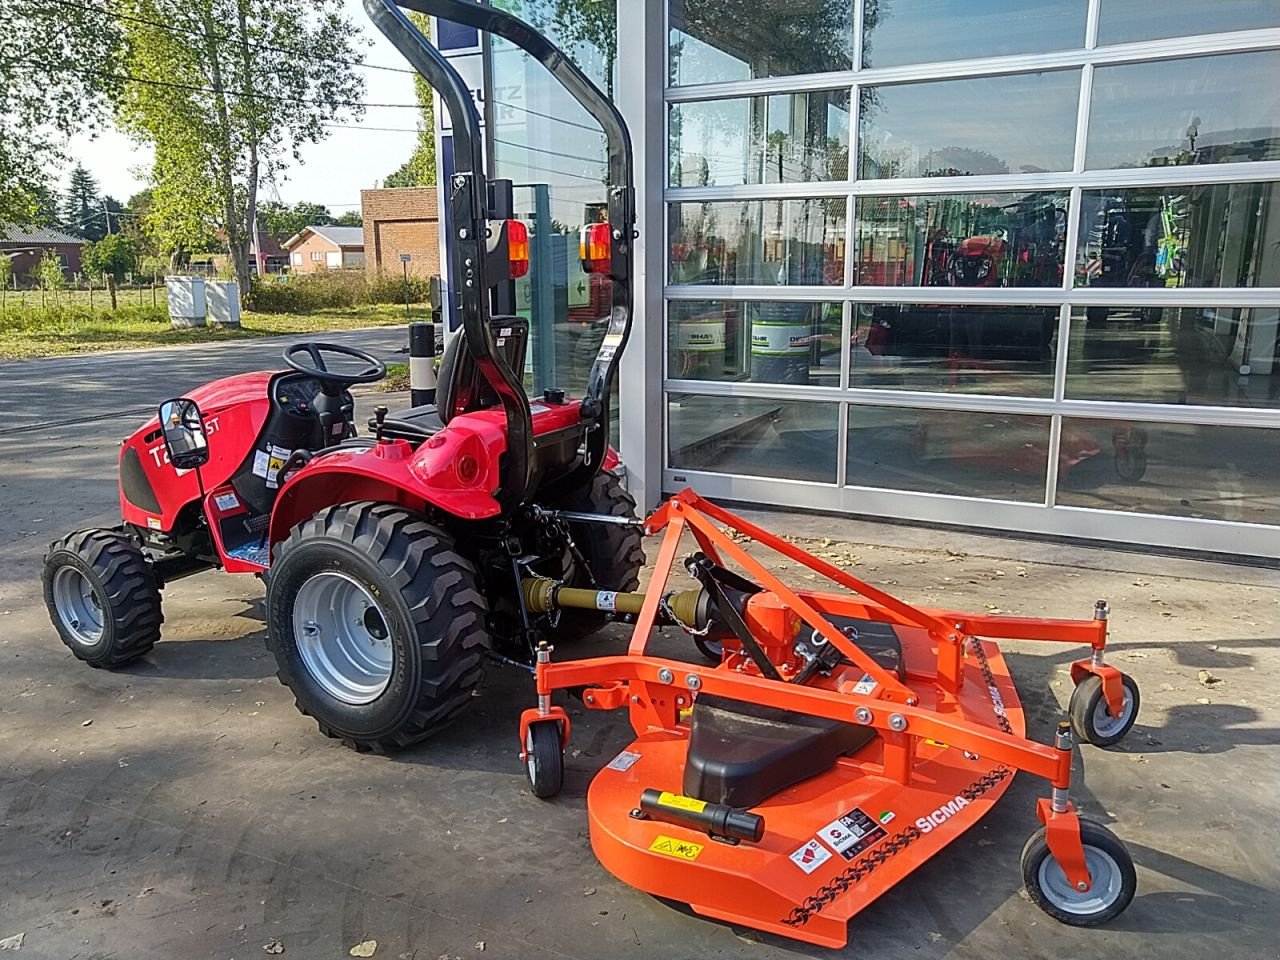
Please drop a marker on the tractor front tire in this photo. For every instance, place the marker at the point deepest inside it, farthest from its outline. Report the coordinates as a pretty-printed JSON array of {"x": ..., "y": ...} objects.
[
  {"x": 614, "y": 554},
  {"x": 376, "y": 624},
  {"x": 103, "y": 597}
]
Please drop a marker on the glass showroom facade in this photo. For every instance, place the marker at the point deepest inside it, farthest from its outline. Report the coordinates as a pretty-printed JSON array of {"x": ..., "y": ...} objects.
[{"x": 1013, "y": 265}]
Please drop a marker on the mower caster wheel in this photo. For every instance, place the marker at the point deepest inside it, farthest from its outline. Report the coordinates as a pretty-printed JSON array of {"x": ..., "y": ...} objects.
[
  {"x": 1111, "y": 873},
  {"x": 103, "y": 596},
  {"x": 1091, "y": 719},
  {"x": 544, "y": 758}
]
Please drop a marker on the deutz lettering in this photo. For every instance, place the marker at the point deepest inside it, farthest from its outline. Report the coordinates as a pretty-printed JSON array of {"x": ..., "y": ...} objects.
[{"x": 941, "y": 815}]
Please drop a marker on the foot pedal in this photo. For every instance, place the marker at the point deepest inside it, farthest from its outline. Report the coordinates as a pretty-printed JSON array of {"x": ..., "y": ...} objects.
[{"x": 258, "y": 524}]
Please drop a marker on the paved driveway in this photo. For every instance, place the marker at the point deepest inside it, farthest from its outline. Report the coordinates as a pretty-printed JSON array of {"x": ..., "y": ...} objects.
[{"x": 182, "y": 808}]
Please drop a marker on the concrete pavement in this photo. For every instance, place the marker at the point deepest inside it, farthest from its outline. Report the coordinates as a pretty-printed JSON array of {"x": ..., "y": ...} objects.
[{"x": 182, "y": 808}]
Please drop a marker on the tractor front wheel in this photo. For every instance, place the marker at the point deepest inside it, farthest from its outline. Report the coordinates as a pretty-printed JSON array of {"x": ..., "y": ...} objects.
[
  {"x": 103, "y": 597},
  {"x": 376, "y": 624}
]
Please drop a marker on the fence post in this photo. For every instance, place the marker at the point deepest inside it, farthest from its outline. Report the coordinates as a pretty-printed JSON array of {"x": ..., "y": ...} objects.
[
  {"x": 153, "y": 291},
  {"x": 91, "y": 293},
  {"x": 111, "y": 289}
]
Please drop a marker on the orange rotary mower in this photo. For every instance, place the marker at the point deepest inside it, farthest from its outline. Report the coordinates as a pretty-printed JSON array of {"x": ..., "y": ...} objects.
[{"x": 836, "y": 742}]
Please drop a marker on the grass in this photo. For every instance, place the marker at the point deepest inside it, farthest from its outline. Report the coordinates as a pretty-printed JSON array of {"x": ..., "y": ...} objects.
[{"x": 69, "y": 330}]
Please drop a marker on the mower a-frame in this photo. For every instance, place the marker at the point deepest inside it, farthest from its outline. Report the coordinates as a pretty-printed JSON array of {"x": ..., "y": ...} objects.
[{"x": 814, "y": 749}]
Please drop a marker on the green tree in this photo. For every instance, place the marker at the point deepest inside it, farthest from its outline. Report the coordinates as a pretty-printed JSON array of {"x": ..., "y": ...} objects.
[
  {"x": 283, "y": 221},
  {"x": 420, "y": 169},
  {"x": 6, "y": 270},
  {"x": 48, "y": 273},
  {"x": 113, "y": 255},
  {"x": 58, "y": 66},
  {"x": 352, "y": 218},
  {"x": 82, "y": 210},
  {"x": 235, "y": 89}
]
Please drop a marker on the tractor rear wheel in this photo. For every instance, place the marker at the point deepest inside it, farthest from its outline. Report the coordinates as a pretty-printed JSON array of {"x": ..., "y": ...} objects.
[
  {"x": 376, "y": 624},
  {"x": 613, "y": 554},
  {"x": 103, "y": 597}
]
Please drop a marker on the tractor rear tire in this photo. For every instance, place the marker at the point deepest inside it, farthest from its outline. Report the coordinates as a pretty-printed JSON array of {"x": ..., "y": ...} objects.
[
  {"x": 103, "y": 596},
  {"x": 408, "y": 661},
  {"x": 613, "y": 553}
]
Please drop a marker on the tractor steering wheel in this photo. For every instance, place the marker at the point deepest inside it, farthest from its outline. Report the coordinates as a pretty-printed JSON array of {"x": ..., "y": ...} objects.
[{"x": 375, "y": 369}]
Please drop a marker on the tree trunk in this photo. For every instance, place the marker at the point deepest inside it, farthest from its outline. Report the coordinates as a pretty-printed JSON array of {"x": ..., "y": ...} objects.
[
  {"x": 254, "y": 135},
  {"x": 111, "y": 289}
]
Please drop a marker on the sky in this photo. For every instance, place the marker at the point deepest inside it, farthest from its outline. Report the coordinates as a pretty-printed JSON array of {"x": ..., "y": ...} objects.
[{"x": 332, "y": 172}]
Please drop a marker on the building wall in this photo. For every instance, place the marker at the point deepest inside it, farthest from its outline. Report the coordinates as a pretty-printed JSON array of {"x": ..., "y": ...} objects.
[
  {"x": 24, "y": 263},
  {"x": 312, "y": 255},
  {"x": 401, "y": 220}
]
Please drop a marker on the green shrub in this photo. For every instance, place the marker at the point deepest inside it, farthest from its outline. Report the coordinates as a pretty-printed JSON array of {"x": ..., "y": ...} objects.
[{"x": 307, "y": 293}]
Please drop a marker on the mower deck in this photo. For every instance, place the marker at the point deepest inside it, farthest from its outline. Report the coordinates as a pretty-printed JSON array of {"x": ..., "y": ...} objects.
[
  {"x": 841, "y": 741},
  {"x": 801, "y": 880}
]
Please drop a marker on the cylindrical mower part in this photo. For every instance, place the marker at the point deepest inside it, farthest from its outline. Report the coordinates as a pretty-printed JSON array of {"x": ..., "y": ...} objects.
[{"x": 717, "y": 819}]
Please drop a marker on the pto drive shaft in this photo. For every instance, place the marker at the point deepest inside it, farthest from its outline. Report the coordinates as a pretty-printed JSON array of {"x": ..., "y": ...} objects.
[{"x": 542, "y": 595}]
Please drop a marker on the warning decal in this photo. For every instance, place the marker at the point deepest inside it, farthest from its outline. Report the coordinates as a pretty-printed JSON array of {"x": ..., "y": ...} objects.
[
  {"x": 679, "y": 802},
  {"x": 671, "y": 847},
  {"x": 811, "y": 856}
]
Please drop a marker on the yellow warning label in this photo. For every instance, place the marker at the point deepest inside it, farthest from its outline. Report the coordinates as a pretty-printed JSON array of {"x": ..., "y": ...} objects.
[
  {"x": 681, "y": 802},
  {"x": 937, "y": 743},
  {"x": 671, "y": 847}
]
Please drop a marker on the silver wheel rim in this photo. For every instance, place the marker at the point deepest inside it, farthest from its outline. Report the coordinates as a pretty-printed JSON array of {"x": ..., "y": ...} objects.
[
  {"x": 79, "y": 609},
  {"x": 1104, "y": 875},
  {"x": 343, "y": 638},
  {"x": 530, "y": 763},
  {"x": 1104, "y": 723}
]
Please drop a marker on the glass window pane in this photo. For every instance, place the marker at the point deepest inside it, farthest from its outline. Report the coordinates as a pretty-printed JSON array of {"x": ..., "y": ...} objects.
[
  {"x": 930, "y": 129},
  {"x": 1217, "y": 356},
  {"x": 769, "y": 242},
  {"x": 954, "y": 349},
  {"x": 965, "y": 454},
  {"x": 1178, "y": 470},
  {"x": 922, "y": 31},
  {"x": 1201, "y": 110},
  {"x": 717, "y": 40},
  {"x": 755, "y": 342},
  {"x": 1218, "y": 235},
  {"x": 1123, "y": 21},
  {"x": 787, "y": 138},
  {"x": 788, "y": 439},
  {"x": 961, "y": 240}
]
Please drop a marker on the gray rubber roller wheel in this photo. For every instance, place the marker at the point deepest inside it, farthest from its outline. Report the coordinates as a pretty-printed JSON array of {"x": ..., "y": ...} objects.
[
  {"x": 103, "y": 597},
  {"x": 544, "y": 758},
  {"x": 376, "y": 623},
  {"x": 1112, "y": 877},
  {"x": 1091, "y": 718}
]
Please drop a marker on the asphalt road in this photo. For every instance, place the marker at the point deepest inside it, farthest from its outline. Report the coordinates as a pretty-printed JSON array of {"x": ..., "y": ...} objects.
[{"x": 182, "y": 808}]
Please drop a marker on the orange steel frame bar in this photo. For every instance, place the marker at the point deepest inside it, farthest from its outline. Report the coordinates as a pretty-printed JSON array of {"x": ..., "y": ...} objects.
[{"x": 657, "y": 688}]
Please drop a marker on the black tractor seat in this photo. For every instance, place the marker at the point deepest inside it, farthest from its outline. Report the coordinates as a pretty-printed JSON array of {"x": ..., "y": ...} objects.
[{"x": 414, "y": 424}]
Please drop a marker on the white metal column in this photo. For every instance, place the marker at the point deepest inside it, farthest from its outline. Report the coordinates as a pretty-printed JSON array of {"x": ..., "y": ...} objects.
[{"x": 641, "y": 78}]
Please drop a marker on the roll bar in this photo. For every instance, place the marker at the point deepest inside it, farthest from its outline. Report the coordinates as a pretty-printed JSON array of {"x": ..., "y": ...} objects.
[{"x": 468, "y": 192}]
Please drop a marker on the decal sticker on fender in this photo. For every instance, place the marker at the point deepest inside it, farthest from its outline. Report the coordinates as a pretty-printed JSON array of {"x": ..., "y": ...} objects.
[
  {"x": 942, "y": 814},
  {"x": 623, "y": 761},
  {"x": 811, "y": 856},
  {"x": 673, "y": 847}
]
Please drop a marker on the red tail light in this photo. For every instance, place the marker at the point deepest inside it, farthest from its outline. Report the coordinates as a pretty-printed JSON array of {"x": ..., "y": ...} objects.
[
  {"x": 594, "y": 249},
  {"x": 518, "y": 248}
]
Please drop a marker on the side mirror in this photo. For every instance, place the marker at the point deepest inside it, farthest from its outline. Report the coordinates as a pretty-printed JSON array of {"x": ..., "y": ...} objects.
[{"x": 184, "y": 438}]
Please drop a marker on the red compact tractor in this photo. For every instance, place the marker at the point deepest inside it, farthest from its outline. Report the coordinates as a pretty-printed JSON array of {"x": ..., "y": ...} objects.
[{"x": 811, "y": 751}]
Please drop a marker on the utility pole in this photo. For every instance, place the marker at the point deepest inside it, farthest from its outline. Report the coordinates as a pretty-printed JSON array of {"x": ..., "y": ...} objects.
[{"x": 106, "y": 213}]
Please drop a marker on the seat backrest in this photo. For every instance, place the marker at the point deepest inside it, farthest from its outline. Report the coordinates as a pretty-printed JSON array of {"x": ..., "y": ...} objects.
[{"x": 460, "y": 379}]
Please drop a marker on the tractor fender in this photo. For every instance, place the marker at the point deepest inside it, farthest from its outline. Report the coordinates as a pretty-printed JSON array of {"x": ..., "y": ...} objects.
[{"x": 455, "y": 471}]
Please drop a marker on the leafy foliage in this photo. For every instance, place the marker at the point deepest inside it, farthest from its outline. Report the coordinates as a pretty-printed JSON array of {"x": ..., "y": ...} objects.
[
  {"x": 283, "y": 221},
  {"x": 306, "y": 293},
  {"x": 420, "y": 169},
  {"x": 234, "y": 89},
  {"x": 57, "y": 69},
  {"x": 48, "y": 272},
  {"x": 113, "y": 255}
]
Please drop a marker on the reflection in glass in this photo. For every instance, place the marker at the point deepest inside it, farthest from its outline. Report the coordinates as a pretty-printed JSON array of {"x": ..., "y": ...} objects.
[
  {"x": 998, "y": 456},
  {"x": 946, "y": 128},
  {"x": 924, "y": 31},
  {"x": 787, "y": 439},
  {"x": 954, "y": 349},
  {"x": 781, "y": 139},
  {"x": 754, "y": 341},
  {"x": 1217, "y": 356},
  {"x": 717, "y": 40},
  {"x": 1179, "y": 470},
  {"x": 1217, "y": 235},
  {"x": 961, "y": 240},
  {"x": 1124, "y": 21},
  {"x": 1222, "y": 109},
  {"x": 768, "y": 242}
]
